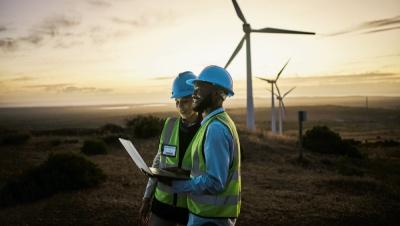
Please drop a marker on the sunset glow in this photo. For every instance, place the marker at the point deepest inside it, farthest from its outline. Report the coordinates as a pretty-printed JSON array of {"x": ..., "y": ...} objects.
[{"x": 110, "y": 52}]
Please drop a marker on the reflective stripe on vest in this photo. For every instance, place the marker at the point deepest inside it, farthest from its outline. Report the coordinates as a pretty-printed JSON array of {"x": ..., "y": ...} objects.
[
  {"x": 226, "y": 203},
  {"x": 216, "y": 200},
  {"x": 170, "y": 136}
]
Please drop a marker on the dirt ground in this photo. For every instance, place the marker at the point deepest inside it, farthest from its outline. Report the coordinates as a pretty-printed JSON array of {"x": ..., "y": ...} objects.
[{"x": 277, "y": 189}]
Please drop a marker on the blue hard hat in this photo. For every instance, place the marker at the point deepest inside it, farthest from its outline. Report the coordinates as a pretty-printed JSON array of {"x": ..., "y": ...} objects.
[
  {"x": 180, "y": 88},
  {"x": 217, "y": 76}
]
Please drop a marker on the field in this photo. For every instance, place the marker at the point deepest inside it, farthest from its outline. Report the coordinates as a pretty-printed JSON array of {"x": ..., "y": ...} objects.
[{"x": 278, "y": 189}]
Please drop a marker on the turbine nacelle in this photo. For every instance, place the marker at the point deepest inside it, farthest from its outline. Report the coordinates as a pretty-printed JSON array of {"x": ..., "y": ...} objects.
[
  {"x": 267, "y": 80},
  {"x": 246, "y": 28}
]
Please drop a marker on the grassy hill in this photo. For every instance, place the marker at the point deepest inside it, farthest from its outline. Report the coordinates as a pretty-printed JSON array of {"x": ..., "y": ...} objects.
[{"x": 278, "y": 189}]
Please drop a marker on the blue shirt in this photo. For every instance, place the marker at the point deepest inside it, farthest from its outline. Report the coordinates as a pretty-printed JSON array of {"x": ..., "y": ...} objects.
[{"x": 218, "y": 152}]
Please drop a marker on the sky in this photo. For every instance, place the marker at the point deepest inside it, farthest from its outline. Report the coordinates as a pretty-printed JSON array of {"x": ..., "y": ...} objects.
[{"x": 79, "y": 52}]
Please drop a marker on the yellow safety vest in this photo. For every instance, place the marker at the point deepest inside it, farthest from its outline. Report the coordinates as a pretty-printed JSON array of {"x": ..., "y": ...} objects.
[
  {"x": 226, "y": 203},
  {"x": 170, "y": 141}
]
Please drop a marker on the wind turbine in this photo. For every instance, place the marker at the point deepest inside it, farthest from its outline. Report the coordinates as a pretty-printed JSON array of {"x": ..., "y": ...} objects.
[
  {"x": 273, "y": 83},
  {"x": 246, "y": 37},
  {"x": 282, "y": 109}
]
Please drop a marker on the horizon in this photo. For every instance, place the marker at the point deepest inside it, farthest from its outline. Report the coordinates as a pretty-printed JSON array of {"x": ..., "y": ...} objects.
[{"x": 260, "y": 102}]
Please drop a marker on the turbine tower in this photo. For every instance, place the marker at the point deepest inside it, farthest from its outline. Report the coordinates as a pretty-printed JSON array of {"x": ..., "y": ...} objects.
[
  {"x": 247, "y": 30},
  {"x": 282, "y": 109},
  {"x": 273, "y": 83}
]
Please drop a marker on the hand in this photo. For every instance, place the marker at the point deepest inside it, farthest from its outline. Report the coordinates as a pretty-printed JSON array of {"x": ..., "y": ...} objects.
[{"x": 144, "y": 212}]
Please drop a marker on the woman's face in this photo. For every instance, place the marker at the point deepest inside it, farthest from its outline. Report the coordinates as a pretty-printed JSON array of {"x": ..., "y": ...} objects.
[{"x": 184, "y": 106}]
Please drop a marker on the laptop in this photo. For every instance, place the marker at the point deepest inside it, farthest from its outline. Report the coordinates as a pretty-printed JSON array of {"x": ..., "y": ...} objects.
[{"x": 150, "y": 171}]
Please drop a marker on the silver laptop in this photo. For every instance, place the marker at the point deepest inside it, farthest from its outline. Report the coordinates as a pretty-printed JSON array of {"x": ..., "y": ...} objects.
[{"x": 150, "y": 171}]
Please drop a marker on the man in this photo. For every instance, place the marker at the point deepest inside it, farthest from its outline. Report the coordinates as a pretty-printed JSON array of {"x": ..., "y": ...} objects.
[
  {"x": 215, "y": 184},
  {"x": 169, "y": 208}
]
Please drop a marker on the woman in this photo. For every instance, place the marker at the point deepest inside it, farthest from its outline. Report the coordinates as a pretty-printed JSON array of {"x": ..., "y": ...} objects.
[{"x": 168, "y": 208}]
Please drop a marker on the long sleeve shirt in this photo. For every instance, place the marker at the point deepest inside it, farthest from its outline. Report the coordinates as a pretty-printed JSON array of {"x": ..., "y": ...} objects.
[{"x": 152, "y": 182}]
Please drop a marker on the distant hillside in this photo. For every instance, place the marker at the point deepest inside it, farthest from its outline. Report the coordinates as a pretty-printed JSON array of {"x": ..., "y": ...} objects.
[{"x": 351, "y": 101}]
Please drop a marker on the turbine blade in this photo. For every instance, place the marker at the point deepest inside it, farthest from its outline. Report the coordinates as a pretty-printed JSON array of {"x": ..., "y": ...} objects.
[
  {"x": 281, "y": 31},
  {"x": 288, "y": 92},
  {"x": 280, "y": 72},
  {"x": 269, "y": 90},
  {"x": 264, "y": 79},
  {"x": 279, "y": 93},
  {"x": 236, "y": 51},
  {"x": 283, "y": 109},
  {"x": 239, "y": 11}
]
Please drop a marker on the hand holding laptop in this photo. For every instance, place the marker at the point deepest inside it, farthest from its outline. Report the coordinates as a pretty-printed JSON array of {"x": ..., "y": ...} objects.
[{"x": 161, "y": 174}]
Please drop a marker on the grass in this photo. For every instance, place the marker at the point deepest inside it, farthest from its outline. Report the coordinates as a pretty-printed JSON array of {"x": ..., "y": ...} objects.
[{"x": 276, "y": 188}]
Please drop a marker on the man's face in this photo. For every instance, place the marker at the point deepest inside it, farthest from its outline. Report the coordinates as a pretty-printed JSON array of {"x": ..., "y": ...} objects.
[
  {"x": 185, "y": 106},
  {"x": 202, "y": 96}
]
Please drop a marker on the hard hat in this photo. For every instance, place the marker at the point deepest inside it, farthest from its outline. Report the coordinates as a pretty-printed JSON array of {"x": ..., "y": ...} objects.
[
  {"x": 180, "y": 88},
  {"x": 217, "y": 76}
]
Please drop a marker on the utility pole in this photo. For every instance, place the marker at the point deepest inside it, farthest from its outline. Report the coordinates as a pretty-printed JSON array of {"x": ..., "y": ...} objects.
[{"x": 302, "y": 116}]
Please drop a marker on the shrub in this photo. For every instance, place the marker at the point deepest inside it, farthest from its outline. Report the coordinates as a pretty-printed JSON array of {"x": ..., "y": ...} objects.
[
  {"x": 94, "y": 147},
  {"x": 113, "y": 139},
  {"x": 323, "y": 140},
  {"x": 60, "y": 172},
  {"x": 145, "y": 126},
  {"x": 15, "y": 138},
  {"x": 111, "y": 128}
]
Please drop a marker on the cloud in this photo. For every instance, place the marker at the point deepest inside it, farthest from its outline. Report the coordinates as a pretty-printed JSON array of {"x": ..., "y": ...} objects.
[
  {"x": 12, "y": 44},
  {"x": 69, "y": 88},
  {"x": 32, "y": 39},
  {"x": 66, "y": 45},
  {"x": 383, "y": 29},
  {"x": 162, "y": 78},
  {"x": 381, "y": 25},
  {"x": 135, "y": 23},
  {"x": 54, "y": 26},
  {"x": 74, "y": 89},
  {"x": 348, "y": 79},
  {"x": 150, "y": 19},
  {"x": 49, "y": 28},
  {"x": 50, "y": 87},
  {"x": 383, "y": 22},
  {"x": 8, "y": 44},
  {"x": 99, "y": 3},
  {"x": 22, "y": 79}
]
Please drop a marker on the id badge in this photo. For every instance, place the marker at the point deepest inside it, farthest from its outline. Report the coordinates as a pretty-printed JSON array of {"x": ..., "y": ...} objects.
[{"x": 169, "y": 150}]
